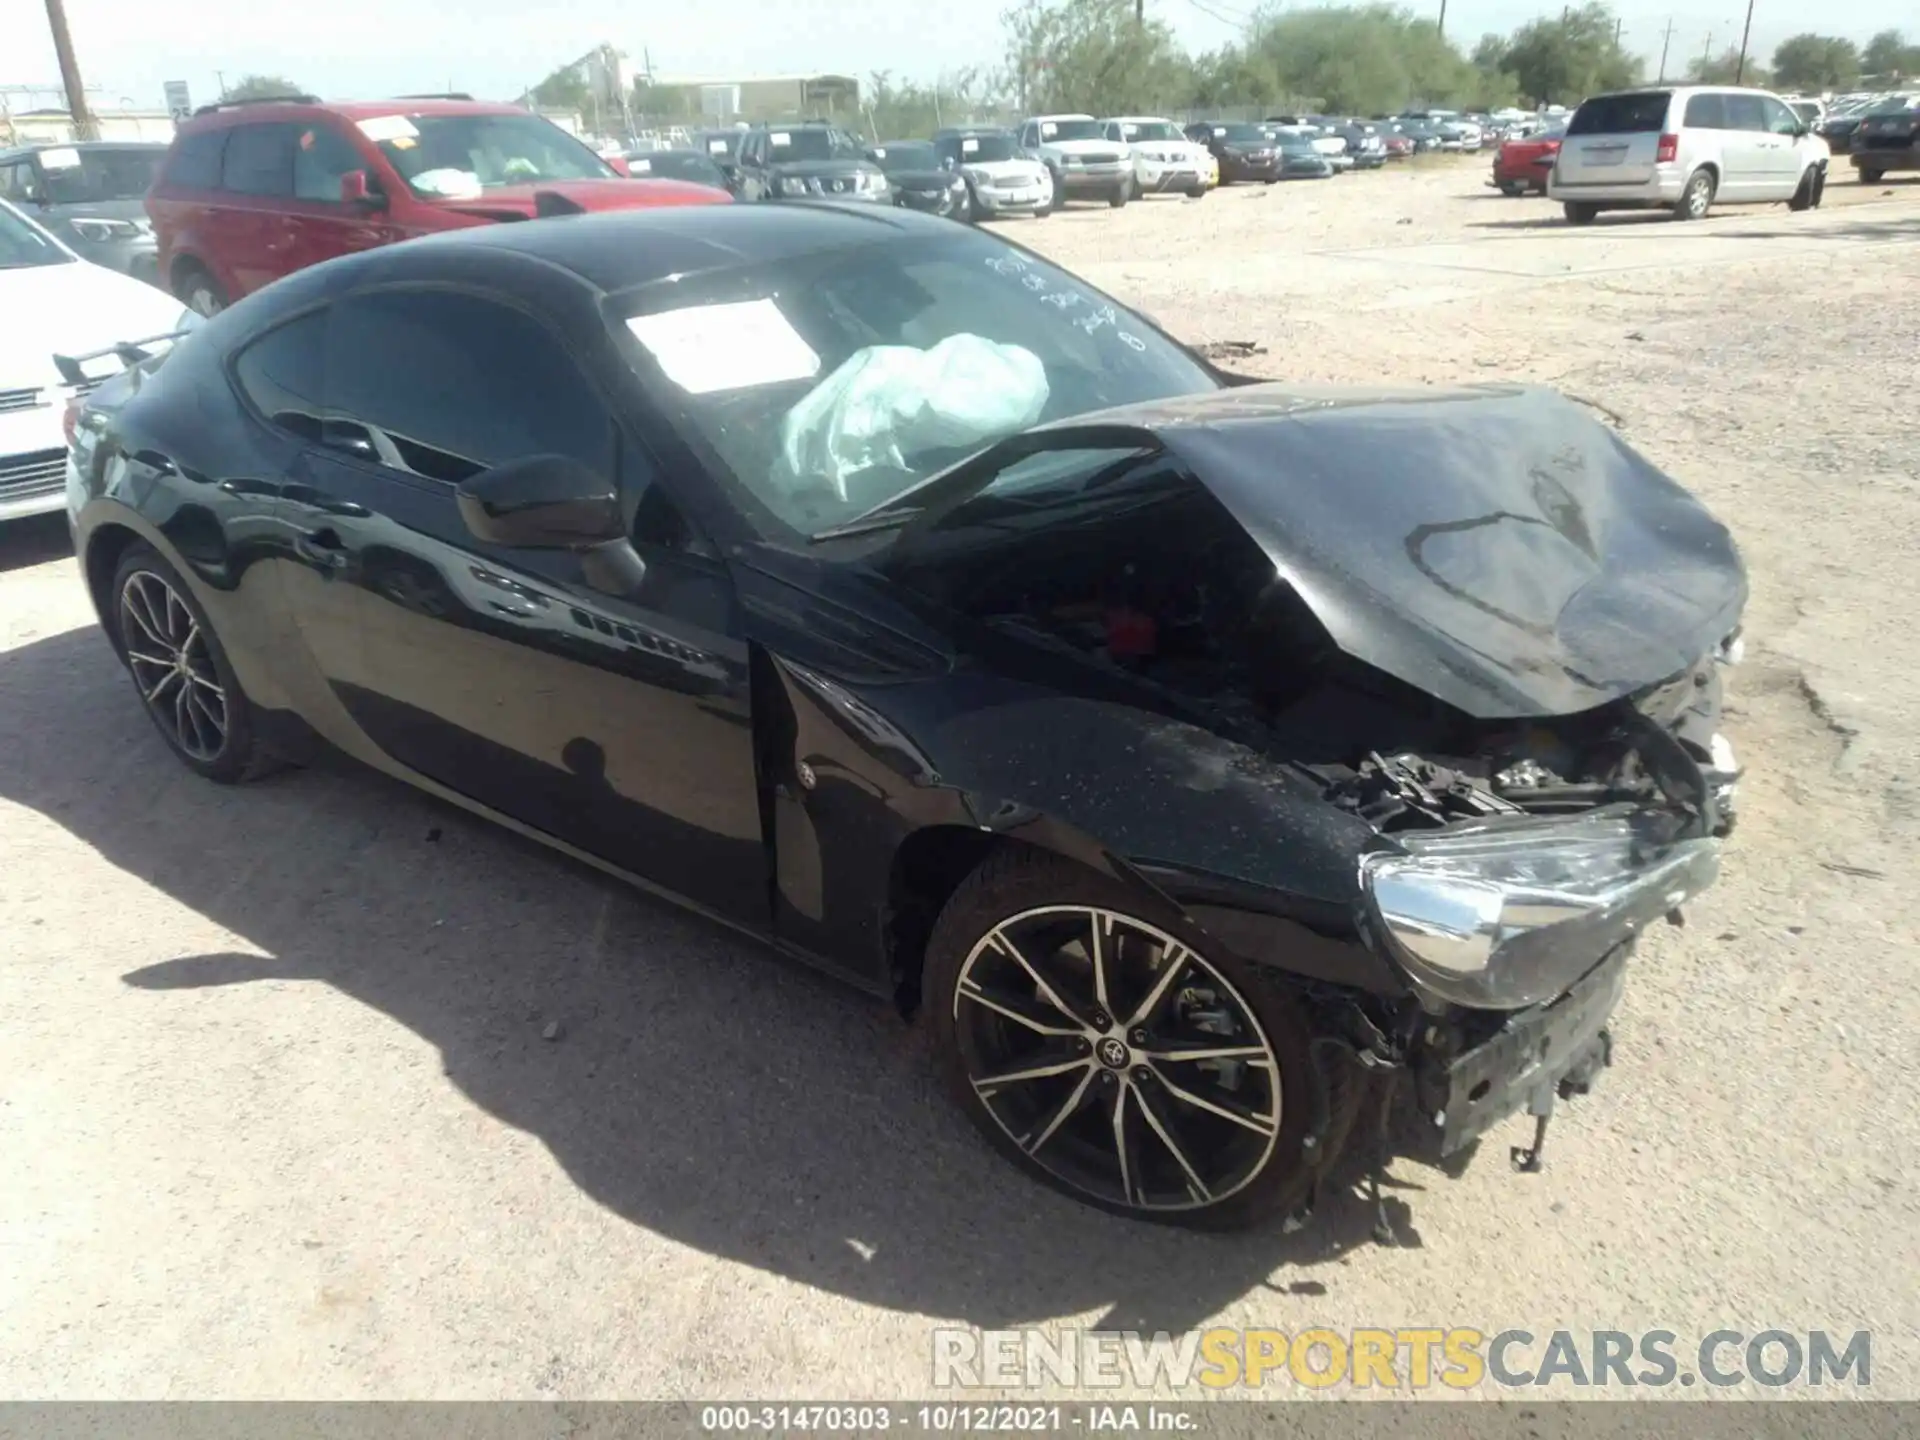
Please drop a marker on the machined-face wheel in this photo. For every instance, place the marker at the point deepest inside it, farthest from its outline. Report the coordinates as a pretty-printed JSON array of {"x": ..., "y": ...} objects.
[
  {"x": 1117, "y": 1058},
  {"x": 172, "y": 666}
]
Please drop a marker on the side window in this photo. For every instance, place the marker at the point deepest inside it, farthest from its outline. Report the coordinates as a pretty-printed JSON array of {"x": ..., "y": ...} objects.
[
  {"x": 281, "y": 373},
  {"x": 1780, "y": 119},
  {"x": 197, "y": 160},
  {"x": 321, "y": 155},
  {"x": 259, "y": 160},
  {"x": 1705, "y": 112},
  {"x": 1745, "y": 112},
  {"x": 12, "y": 182},
  {"x": 442, "y": 385}
]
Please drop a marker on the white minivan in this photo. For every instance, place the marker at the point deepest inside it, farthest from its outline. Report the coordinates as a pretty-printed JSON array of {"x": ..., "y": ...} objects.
[{"x": 1685, "y": 148}]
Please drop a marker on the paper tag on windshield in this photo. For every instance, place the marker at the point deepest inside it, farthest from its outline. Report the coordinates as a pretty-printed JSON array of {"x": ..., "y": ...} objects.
[
  {"x": 707, "y": 348},
  {"x": 969, "y": 147},
  {"x": 59, "y": 159},
  {"x": 879, "y": 152},
  {"x": 1220, "y": 130},
  {"x": 1129, "y": 131},
  {"x": 640, "y": 167},
  {"x": 1046, "y": 130},
  {"x": 382, "y": 128},
  {"x": 781, "y": 137},
  {"x": 717, "y": 147}
]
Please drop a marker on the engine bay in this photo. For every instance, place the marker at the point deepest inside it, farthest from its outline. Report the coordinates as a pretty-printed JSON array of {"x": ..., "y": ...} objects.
[{"x": 1177, "y": 602}]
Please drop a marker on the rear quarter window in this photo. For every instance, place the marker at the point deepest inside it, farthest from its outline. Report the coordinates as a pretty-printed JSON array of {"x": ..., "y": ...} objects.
[
  {"x": 1639, "y": 114},
  {"x": 196, "y": 160}
]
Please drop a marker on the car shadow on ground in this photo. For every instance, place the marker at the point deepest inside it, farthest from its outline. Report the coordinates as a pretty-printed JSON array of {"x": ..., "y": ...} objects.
[
  {"x": 685, "y": 1078},
  {"x": 1739, "y": 225},
  {"x": 33, "y": 541}
]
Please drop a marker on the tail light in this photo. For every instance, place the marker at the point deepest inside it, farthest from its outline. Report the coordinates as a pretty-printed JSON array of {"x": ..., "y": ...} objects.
[
  {"x": 70, "y": 418},
  {"x": 1669, "y": 150}
]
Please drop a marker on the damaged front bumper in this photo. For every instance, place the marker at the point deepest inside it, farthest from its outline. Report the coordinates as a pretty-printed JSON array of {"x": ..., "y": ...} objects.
[{"x": 1508, "y": 913}]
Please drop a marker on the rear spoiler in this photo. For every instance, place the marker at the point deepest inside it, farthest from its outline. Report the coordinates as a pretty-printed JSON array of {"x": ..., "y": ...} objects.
[{"x": 129, "y": 352}]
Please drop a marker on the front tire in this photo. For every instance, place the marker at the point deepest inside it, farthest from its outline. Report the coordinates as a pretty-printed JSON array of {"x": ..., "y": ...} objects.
[
  {"x": 1807, "y": 195},
  {"x": 1120, "y": 1056},
  {"x": 1121, "y": 194},
  {"x": 1512, "y": 189},
  {"x": 181, "y": 672},
  {"x": 1870, "y": 177},
  {"x": 1697, "y": 198}
]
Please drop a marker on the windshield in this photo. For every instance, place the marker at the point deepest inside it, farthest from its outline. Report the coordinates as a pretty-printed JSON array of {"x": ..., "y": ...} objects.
[
  {"x": 1807, "y": 110},
  {"x": 1896, "y": 105},
  {"x": 1295, "y": 144},
  {"x": 987, "y": 149},
  {"x": 1070, "y": 130},
  {"x": 899, "y": 155},
  {"x": 1151, "y": 130},
  {"x": 829, "y": 383},
  {"x": 86, "y": 177},
  {"x": 454, "y": 156},
  {"x": 676, "y": 165},
  {"x": 24, "y": 244},
  {"x": 1242, "y": 135},
  {"x": 815, "y": 144}
]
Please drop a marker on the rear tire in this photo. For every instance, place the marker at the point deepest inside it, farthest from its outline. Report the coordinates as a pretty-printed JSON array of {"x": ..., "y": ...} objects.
[
  {"x": 199, "y": 291},
  {"x": 1870, "y": 177},
  {"x": 1512, "y": 189},
  {"x": 1086, "y": 1111},
  {"x": 181, "y": 672},
  {"x": 1580, "y": 212},
  {"x": 1697, "y": 199}
]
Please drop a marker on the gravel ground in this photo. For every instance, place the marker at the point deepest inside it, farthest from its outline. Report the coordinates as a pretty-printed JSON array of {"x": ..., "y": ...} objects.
[{"x": 277, "y": 1117}]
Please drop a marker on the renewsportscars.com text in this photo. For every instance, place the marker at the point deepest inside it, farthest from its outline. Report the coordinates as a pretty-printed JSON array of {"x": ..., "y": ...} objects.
[{"x": 1456, "y": 1358}]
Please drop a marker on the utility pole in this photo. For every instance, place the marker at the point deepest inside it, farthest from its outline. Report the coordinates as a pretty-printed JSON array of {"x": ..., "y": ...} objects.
[
  {"x": 1140, "y": 12},
  {"x": 1706, "y": 53},
  {"x": 83, "y": 127},
  {"x": 1443, "y": 19},
  {"x": 1616, "y": 33},
  {"x": 1665, "y": 41},
  {"x": 1740, "y": 70}
]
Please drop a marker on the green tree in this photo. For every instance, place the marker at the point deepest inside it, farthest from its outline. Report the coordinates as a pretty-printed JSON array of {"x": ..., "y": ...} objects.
[
  {"x": 1363, "y": 59},
  {"x": 1233, "y": 76},
  {"x": 565, "y": 89},
  {"x": 1093, "y": 56},
  {"x": 893, "y": 110},
  {"x": 1493, "y": 73},
  {"x": 1563, "y": 60},
  {"x": 1815, "y": 62},
  {"x": 261, "y": 87},
  {"x": 1722, "y": 69},
  {"x": 1888, "y": 53}
]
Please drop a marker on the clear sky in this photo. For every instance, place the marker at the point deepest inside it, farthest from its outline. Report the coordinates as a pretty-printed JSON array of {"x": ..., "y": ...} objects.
[{"x": 496, "y": 48}]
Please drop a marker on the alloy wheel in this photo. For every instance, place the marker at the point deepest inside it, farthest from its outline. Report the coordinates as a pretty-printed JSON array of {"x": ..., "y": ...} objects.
[
  {"x": 1117, "y": 1058},
  {"x": 172, "y": 666}
]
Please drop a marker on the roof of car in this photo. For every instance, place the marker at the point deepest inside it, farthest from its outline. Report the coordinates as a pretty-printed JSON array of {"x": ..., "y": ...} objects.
[
  {"x": 14, "y": 152},
  {"x": 348, "y": 109},
  {"x": 618, "y": 249}
]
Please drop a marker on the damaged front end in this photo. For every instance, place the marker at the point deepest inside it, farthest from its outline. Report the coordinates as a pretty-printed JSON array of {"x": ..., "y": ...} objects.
[{"x": 1487, "y": 633}]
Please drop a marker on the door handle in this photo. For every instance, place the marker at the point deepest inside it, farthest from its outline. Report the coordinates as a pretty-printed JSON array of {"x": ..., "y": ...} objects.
[{"x": 322, "y": 547}]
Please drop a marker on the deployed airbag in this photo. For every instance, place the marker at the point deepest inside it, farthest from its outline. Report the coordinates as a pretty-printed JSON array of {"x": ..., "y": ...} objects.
[{"x": 889, "y": 402}]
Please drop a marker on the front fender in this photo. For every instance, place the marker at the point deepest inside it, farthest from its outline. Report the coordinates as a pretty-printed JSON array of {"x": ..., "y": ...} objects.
[{"x": 1240, "y": 844}]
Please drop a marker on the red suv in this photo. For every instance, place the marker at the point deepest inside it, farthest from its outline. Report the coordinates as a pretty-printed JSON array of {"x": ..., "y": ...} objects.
[{"x": 256, "y": 190}]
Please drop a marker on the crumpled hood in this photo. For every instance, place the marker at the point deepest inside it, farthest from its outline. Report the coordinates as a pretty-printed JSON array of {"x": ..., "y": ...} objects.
[
  {"x": 823, "y": 169},
  {"x": 72, "y": 309},
  {"x": 1089, "y": 149},
  {"x": 1495, "y": 546}
]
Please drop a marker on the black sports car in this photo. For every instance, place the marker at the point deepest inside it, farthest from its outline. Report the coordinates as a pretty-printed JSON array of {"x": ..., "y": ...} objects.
[{"x": 1222, "y": 773}]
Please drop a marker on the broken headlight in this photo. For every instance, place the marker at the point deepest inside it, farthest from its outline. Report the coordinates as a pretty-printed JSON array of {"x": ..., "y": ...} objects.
[{"x": 1507, "y": 913}]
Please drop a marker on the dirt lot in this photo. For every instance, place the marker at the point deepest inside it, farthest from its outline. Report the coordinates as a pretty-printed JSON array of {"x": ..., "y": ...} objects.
[{"x": 277, "y": 1117}]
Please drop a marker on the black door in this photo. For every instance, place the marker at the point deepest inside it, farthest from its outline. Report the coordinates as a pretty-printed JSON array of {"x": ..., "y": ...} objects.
[{"x": 618, "y": 723}]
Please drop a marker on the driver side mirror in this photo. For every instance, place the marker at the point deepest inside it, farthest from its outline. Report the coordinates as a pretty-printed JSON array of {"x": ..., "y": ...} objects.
[
  {"x": 357, "y": 191},
  {"x": 544, "y": 502}
]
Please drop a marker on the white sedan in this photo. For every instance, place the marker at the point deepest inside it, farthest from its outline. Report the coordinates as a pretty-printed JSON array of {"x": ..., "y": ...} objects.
[{"x": 55, "y": 303}]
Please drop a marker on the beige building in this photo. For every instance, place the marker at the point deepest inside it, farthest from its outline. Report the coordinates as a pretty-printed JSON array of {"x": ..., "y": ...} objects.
[
  {"x": 55, "y": 127},
  {"x": 705, "y": 100}
]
